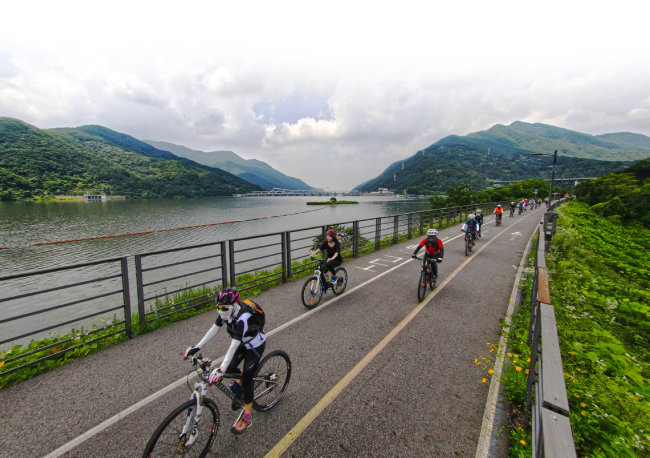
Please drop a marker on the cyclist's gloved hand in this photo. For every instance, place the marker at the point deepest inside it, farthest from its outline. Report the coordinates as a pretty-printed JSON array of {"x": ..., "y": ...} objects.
[
  {"x": 190, "y": 351},
  {"x": 439, "y": 259},
  {"x": 414, "y": 256},
  {"x": 215, "y": 376}
]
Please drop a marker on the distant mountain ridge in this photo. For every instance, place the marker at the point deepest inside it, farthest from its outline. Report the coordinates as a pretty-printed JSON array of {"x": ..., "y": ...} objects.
[
  {"x": 252, "y": 170},
  {"x": 509, "y": 153},
  {"x": 44, "y": 162}
]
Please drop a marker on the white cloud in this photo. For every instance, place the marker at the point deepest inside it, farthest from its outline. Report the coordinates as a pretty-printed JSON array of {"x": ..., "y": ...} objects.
[{"x": 331, "y": 92}]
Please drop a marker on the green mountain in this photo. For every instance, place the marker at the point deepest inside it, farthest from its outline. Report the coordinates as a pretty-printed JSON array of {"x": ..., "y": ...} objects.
[
  {"x": 257, "y": 172},
  {"x": 508, "y": 153},
  {"x": 40, "y": 162}
]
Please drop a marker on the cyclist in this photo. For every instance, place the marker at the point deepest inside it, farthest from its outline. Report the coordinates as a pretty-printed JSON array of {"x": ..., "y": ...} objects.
[
  {"x": 479, "y": 219},
  {"x": 433, "y": 249},
  {"x": 512, "y": 208},
  {"x": 247, "y": 344},
  {"x": 499, "y": 212},
  {"x": 332, "y": 249},
  {"x": 521, "y": 207},
  {"x": 471, "y": 226}
]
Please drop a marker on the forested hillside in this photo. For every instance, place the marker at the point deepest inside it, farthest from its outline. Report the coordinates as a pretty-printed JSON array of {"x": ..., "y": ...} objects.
[{"x": 42, "y": 163}]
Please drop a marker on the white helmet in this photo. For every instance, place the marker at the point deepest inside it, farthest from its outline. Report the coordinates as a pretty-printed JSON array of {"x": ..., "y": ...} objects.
[
  {"x": 472, "y": 216},
  {"x": 478, "y": 211},
  {"x": 432, "y": 233}
]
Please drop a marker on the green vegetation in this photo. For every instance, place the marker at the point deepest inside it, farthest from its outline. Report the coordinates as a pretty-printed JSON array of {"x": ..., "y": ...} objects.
[
  {"x": 624, "y": 196},
  {"x": 37, "y": 163},
  {"x": 462, "y": 194},
  {"x": 506, "y": 153},
  {"x": 599, "y": 282}
]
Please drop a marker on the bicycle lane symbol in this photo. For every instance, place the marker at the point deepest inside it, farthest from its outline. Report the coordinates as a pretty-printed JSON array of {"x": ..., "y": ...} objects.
[{"x": 381, "y": 262}]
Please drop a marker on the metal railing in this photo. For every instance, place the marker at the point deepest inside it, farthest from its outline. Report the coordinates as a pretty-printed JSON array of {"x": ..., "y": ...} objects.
[
  {"x": 551, "y": 428},
  {"x": 167, "y": 281},
  {"x": 90, "y": 292}
]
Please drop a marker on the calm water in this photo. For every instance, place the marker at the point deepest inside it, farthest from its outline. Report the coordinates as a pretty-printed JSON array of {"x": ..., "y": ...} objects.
[{"x": 25, "y": 223}]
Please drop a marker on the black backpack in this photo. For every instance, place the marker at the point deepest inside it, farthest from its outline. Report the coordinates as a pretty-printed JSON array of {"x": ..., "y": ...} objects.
[{"x": 248, "y": 306}]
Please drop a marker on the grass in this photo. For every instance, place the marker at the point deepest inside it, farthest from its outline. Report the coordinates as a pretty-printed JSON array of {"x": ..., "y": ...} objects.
[{"x": 600, "y": 288}]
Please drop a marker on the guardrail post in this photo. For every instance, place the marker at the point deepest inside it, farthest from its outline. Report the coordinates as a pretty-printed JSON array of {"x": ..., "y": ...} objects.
[
  {"x": 440, "y": 215},
  {"x": 224, "y": 266},
  {"x": 395, "y": 228},
  {"x": 140, "y": 289},
  {"x": 283, "y": 244},
  {"x": 355, "y": 239},
  {"x": 409, "y": 226},
  {"x": 127, "y": 297},
  {"x": 287, "y": 236},
  {"x": 533, "y": 358},
  {"x": 378, "y": 234},
  {"x": 422, "y": 223},
  {"x": 231, "y": 257}
]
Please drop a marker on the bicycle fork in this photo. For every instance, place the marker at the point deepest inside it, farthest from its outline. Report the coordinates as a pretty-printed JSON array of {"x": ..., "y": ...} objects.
[{"x": 197, "y": 415}]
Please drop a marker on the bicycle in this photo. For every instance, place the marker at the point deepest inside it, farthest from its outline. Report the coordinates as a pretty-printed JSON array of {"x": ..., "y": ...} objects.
[
  {"x": 184, "y": 431},
  {"x": 469, "y": 239},
  {"x": 521, "y": 210},
  {"x": 498, "y": 219},
  {"x": 427, "y": 276},
  {"x": 512, "y": 212},
  {"x": 317, "y": 285}
]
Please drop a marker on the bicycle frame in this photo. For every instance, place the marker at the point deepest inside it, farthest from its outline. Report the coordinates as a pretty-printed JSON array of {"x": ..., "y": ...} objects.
[{"x": 318, "y": 273}]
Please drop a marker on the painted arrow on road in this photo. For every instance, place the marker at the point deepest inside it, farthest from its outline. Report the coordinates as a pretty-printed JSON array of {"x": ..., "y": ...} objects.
[{"x": 515, "y": 234}]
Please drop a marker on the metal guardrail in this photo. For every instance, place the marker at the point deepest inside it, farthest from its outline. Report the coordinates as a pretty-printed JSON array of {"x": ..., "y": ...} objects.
[
  {"x": 162, "y": 277},
  {"x": 551, "y": 428},
  {"x": 43, "y": 286}
]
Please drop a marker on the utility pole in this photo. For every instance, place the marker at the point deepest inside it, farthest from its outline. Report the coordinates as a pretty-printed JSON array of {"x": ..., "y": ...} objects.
[{"x": 550, "y": 192}]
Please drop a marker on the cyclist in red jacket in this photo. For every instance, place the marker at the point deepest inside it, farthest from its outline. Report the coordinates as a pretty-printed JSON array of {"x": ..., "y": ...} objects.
[{"x": 433, "y": 250}]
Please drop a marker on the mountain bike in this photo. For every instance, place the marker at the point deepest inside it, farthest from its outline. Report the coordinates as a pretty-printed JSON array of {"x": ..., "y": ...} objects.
[
  {"x": 186, "y": 431},
  {"x": 498, "y": 219},
  {"x": 317, "y": 285},
  {"x": 512, "y": 212},
  {"x": 521, "y": 210},
  {"x": 468, "y": 242},
  {"x": 428, "y": 276}
]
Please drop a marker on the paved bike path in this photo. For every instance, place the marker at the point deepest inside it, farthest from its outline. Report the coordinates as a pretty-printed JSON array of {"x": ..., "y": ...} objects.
[{"x": 421, "y": 395}]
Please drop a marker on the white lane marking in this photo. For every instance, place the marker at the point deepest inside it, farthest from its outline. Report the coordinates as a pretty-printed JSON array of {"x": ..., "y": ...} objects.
[
  {"x": 487, "y": 426},
  {"x": 395, "y": 259},
  {"x": 515, "y": 234},
  {"x": 378, "y": 263},
  {"x": 367, "y": 269},
  {"x": 152, "y": 397}
]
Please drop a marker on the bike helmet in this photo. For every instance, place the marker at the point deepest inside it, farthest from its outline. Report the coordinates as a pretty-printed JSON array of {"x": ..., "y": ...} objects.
[
  {"x": 432, "y": 233},
  {"x": 478, "y": 211},
  {"x": 499, "y": 206},
  {"x": 512, "y": 203},
  {"x": 226, "y": 300},
  {"x": 331, "y": 233},
  {"x": 472, "y": 216}
]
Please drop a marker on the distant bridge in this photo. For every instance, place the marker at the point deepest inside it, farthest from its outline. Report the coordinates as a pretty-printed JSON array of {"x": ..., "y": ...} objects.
[
  {"x": 287, "y": 192},
  {"x": 548, "y": 180}
]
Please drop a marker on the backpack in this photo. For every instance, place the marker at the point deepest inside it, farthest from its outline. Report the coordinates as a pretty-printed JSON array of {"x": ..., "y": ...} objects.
[{"x": 248, "y": 306}]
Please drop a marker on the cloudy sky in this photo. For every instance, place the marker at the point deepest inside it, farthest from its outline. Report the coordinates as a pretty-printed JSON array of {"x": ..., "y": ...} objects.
[{"x": 330, "y": 92}]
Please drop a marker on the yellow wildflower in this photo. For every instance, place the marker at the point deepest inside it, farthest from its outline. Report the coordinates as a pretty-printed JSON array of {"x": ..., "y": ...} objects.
[
  {"x": 491, "y": 350},
  {"x": 2, "y": 363},
  {"x": 522, "y": 442},
  {"x": 577, "y": 395},
  {"x": 488, "y": 343},
  {"x": 518, "y": 368},
  {"x": 527, "y": 371},
  {"x": 583, "y": 413},
  {"x": 491, "y": 371},
  {"x": 509, "y": 355},
  {"x": 484, "y": 380},
  {"x": 583, "y": 405},
  {"x": 476, "y": 361}
]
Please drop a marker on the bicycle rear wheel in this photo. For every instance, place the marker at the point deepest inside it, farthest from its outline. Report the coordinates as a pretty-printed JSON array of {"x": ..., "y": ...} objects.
[
  {"x": 169, "y": 440},
  {"x": 341, "y": 281},
  {"x": 271, "y": 379},
  {"x": 468, "y": 247},
  {"x": 422, "y": 286},
  {"x": 312, "y": 292}
]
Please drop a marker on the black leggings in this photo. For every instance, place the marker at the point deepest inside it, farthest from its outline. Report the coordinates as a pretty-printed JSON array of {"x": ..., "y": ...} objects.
[
  {"x": 251, "y": 360},
  {"x": 332, "y": 265}
]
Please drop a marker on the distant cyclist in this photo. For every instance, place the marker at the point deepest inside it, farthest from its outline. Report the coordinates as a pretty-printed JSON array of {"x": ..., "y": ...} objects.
[
  {"x": 471, "y": 226},
  {"x": 479, "y": 219},
  {"x": 248, "y": 341},
  {"x": 332, "y": 249},
  {"x": 521, "y": 207},
  {"x": 499, "y": 212},
  {"x": 433, "y": 250},
  {"x": 512, "y": 208}
]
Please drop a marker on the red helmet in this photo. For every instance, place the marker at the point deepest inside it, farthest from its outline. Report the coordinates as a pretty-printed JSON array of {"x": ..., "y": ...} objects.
[{"x": 331, "y": 233}]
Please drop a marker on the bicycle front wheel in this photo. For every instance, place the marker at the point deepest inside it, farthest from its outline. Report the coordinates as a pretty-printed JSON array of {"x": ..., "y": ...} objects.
[
  {"x": 270, "y": 380},
  {"x": 422, "y": 286},
  {"x": 341, "y": 281},
  {"x": 468, "y": 247},
  {"x": 173, "y": 437},
  {"x": 312, "y": 293}
]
